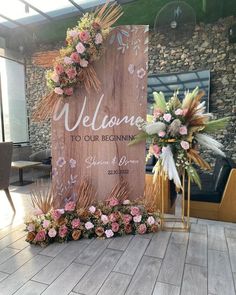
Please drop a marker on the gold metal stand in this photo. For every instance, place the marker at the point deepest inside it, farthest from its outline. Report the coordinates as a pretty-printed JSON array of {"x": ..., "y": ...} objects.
[{"x": 184, "y": 220}]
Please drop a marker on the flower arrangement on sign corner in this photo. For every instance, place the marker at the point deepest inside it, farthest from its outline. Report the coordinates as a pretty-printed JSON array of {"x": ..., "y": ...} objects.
[
  {"x": 176, "y": 131},
  {"x": 74, "y": 66}
]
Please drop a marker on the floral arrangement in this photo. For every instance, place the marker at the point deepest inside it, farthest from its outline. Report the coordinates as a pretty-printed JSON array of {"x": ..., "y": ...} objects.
[
  {"x": 105, "y": 220},
  {"x": 175, "y": 132},
  {"x": 73, "y": 68}
]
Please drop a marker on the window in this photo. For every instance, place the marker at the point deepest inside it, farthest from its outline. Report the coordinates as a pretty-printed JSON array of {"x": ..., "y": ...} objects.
[{"x": 13, "y": 120}]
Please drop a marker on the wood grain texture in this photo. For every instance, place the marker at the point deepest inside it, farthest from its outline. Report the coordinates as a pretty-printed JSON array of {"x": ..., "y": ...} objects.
[
  {"x": 194, "y": 280},
  {"x": 158, "y": 244},
  {"x": 132, "y": 255},
  {"x": 166, "y": 289},
  {"x": 197, "y": 249},
  {"x": 173, "y": 264},
  {"x": 116, "y": 283},
  {"x": 97, "y": 274},
  {"x": 216, "y": 238},
  {"x": 220, "y": 279},
  {"x": 148, "y": 268},
  {"x": 123, "y": 76}
]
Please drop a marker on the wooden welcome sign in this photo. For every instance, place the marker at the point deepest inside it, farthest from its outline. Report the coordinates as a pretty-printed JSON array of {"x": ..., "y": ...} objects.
[{"x": 91, "y": 132}]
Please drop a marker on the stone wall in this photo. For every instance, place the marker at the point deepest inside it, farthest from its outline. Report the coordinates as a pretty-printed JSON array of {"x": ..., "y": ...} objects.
[{"x": 207, "y": 49}]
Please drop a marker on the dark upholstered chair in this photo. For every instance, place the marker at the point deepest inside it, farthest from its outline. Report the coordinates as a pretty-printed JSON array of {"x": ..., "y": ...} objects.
[
  {"x": 43, "y": 156},
  {"x": 6, "y": 149},
  {"x": 217, "y": 198}
]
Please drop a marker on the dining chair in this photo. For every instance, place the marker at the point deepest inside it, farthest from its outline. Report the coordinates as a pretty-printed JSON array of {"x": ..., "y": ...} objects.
[{"x": 6, "y": 149}]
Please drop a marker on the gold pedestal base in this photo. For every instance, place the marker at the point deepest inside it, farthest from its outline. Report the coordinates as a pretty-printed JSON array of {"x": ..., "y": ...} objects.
[{"x": 184, "y": 221}]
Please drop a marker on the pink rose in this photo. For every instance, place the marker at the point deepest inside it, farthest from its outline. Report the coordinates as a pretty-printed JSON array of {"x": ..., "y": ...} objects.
[
  {"x": 41, "y": 235},
  {"x": 89, "y": 225},
  {"x": 46, "y": 223},
  {"x": 156, "y": 149},
  {"x": 83, "y": 63},
  {"x": 75, "y": 223},
  {"x": 70, "y": 206},
  {"x": 58, "y": 90},
  {"x": 167, "y": 117},
  {"x": 157, "y": 113},
  {"x": 72, "y": 33},
  {"x": 161, "y": 134},
  {"x": 109, "y": 233},
  {"x": 105, "y": 219},
  {"x": 56, "y": 214},
  {"x": 80, "y": 48},
  {"x": 126, "y": 202},
  {"x": 112, "y": 217},
  {"x": 68, "y": 91},
  {"x": 55, "y": 77},
  {"x": 137, "y": 218},
  {"x": 31, "y": 227},
  {"x": 52, "y": 232},
  {"x": 68, "y": 60},
  {"x": 92, "y": 209},
  {"x": 150, "y": 220},
  {"x": 183, "y": 130},
  {"x": 59, "y": 69},
  {"x": 184, "y": 144},
  {"x": 113, "y": 202},
  {"x": 63, "y": 231},
  {"x": 142, "y": 229},
  {"x": 98, "y": 39},
  {"x": 185, "y": 111},
  {"x": 75, "y": 57},
  {"x": 135, "y": 211},
  {"x": 179, "y": 112},
  {"x": 115, "y": 227},
  {"x": 127, "y": 218},
  {"x": 71, "y": 72},
  {"x": 84, "y": 36}
]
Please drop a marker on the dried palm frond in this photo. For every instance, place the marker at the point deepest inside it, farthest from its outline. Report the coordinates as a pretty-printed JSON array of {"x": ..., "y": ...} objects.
[
  {"x": 108, "y": 15},
  {"x": 90, "y": 80},
  {"x": 86, "y": 194},
  {"x": 152, "y": 196},
  {"x": 45, "y": 107},
  {"x": 120, "y": 191},
  {"x": 42, "y": 197},
  {"x": 194, "y": 155}
]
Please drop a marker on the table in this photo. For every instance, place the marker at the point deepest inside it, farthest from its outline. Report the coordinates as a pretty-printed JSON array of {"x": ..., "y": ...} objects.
[{"x": 21, "y": 165}]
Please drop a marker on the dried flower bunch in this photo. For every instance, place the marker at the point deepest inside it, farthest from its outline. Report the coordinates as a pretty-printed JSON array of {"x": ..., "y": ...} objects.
[
  {"x": 104, "y": 220},
  {"x": 175, "y": 131},
  {"x": 73, "y": 68}
]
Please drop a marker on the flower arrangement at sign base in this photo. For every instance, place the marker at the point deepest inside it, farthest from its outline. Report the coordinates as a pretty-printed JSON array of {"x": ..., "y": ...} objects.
[
  {"x": 105, "y": 220},
  {"x": 176, "y": 131},
  {"x": 74, "y": 67}
]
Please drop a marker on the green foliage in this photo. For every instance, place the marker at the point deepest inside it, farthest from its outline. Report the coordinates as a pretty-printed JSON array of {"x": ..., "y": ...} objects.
[
  {"x": 215, "y": 125},
  {"x": 142, "y": 136},
  {"x": 160, "y": 102},
  {"x": 194, "y": 177}
]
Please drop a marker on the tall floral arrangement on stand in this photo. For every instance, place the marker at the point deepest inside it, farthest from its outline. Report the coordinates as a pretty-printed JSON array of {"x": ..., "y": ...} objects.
[
  {"x": 74, "y": 66},
  {"x": 176, "y": 131}
]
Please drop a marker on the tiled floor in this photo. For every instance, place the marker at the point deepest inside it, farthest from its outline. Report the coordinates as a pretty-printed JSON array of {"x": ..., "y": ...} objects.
[{"x": 167, "y": 263}]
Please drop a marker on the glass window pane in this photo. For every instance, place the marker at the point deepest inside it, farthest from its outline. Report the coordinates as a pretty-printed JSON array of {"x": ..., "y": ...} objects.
[{"x": 13, "y": 100}]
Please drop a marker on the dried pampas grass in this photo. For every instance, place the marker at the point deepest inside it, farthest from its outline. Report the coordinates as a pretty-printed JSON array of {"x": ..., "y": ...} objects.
[{"x": 42, "y": 197}]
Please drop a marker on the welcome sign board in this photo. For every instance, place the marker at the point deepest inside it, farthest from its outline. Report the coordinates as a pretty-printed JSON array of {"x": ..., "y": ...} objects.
[{"x": 91, "y": 132}]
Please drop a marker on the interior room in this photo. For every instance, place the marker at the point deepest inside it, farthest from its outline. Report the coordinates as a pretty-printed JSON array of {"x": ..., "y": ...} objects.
[{"x": 118, "y": 147}]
